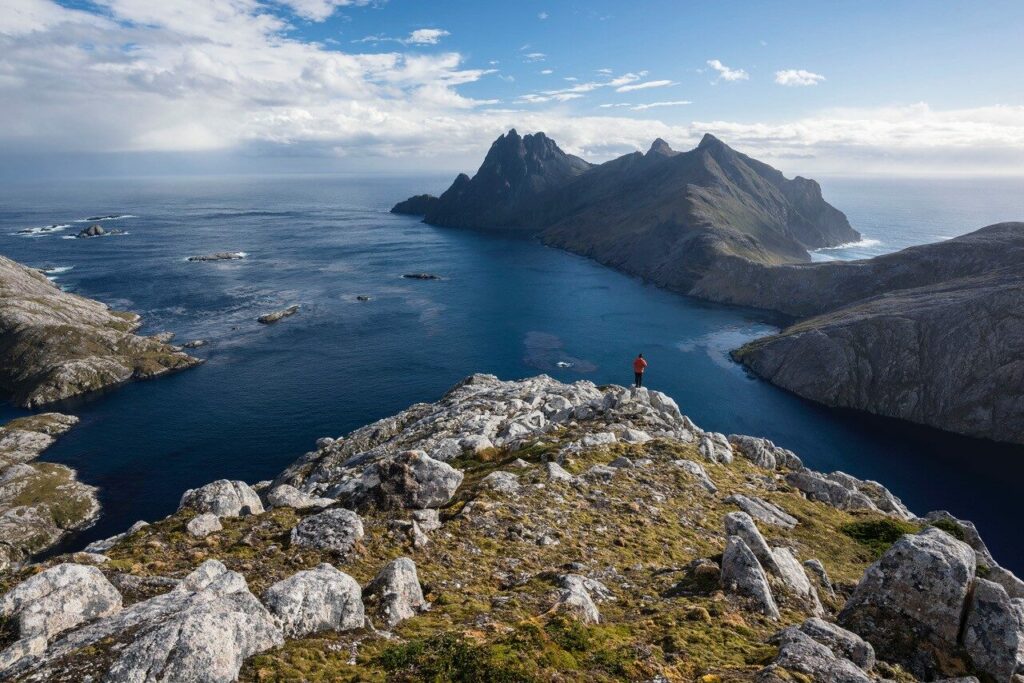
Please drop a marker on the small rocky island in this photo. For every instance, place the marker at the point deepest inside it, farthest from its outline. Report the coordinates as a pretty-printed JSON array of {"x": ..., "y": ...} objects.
[
  {"x": 270, "y": 318},
  {"x": 57, "y": 345},
  {"x": 97, "y": 230},
  {"x": 930, "y": 334},
  {"x": 527, "y": 531}
]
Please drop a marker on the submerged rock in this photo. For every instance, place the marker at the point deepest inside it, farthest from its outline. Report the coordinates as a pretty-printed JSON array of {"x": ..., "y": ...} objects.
[
  {"x": 269, "y": 318},
  {"x": 97, "y": 230},
  {"x": 421, "y": 276},
  {"x": 220, "y": 256}
]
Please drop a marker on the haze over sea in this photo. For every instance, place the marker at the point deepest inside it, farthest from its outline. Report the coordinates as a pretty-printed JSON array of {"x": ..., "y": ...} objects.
[{"x": 509, "y": 307}]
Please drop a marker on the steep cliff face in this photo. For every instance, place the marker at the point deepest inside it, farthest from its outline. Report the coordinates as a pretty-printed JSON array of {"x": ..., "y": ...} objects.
[
  {"x": 54, "y": 345},
  {"x": 525, "y": 531},
  {"x": 948, "y": 355},
  {"x": 665, "y": 215}
]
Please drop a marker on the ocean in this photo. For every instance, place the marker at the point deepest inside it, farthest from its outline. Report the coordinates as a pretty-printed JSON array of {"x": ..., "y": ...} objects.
[{"x": 505, "y": 306}]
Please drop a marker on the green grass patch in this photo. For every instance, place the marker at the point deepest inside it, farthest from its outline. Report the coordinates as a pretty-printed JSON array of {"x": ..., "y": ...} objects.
[{"x": 878, "y": 535}]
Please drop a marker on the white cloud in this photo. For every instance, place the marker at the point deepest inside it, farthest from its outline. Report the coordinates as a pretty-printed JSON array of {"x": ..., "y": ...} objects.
[
  {"x": 797, "y": 77},
  {"x": 727, "y": 74},
  {"x": 646, "y": 106},
  {"x": 542, "y": 16},
  {"x": 606, "y": 72},
  {"x": 421, "y": 36},
  {"x": 426, "y": 36},
  {"x": 319, "y": 10},
  {"x": 547, "y": 72},
  {"x": 198, "y": 75},
  {"x": 534, "y": 56},
  {"x": 644, "y": 86}
]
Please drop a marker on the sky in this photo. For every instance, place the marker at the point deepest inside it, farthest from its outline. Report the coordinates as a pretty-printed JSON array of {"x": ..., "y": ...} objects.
[{"x": 846, "y": 87}]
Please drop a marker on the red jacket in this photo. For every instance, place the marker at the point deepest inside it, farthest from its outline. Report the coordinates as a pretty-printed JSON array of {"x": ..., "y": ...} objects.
[{"x": 639, "y": 364}]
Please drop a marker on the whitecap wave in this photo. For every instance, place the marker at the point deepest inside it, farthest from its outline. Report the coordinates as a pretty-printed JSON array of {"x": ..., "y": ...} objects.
[
  {"x": 41, "y": 230},
  {"x": 866, "y": 242},
  {"x": 56, "y": 270},
  {"x": 108, "y": 217}
]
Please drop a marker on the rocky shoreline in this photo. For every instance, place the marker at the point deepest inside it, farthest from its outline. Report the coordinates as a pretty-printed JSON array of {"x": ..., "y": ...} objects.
[
  {"x": 40, "y": 502},
  {"x": 58, "y": 345},
  {"x": 528, "y": 531}
]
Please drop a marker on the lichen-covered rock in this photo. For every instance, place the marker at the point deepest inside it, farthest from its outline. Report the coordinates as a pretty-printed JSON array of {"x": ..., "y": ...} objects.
[
  {"x": 223, "y": 498},
  {"x": 58, "y": 599},
  {"x": 994, "y": 631},
  {"x": 817, "y": 569},
  {"x": 40, "y": 502},
  {"x": 715, "y": 447},
  {"x": 556, "y": 472},
  {"x": 909, "y": 603},
  {"x": 205, "y": 642},
  {"x": 791, "y": 573},
  {"x": 287, "y": 495},
  {"x": 396, "y": 591},
  {"x": 336, "y": 529},
  {"x": 410, "y": 479},
  {"x": 842, "y": 642},
  {"x": 316, "y": 600},
  {"x": 203, "y": 525},
  {"x": 501, "y": 482},
  {"x": 800, "y": 652},
  {"x": 764, "y": 453},
  {"x": 743, "y": 574},
  {"x": 697, "y": 472},
  {"x": 740, "y": 524},
  {"x": 106, "y": 544},
  {"x": 763, "y": 511},
  {"x": 574, "y": 598},
  {"x": 837, "y": 492}
]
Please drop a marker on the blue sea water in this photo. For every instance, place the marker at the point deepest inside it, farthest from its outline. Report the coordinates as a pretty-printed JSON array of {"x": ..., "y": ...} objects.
[{"x": 509, "y": 307}]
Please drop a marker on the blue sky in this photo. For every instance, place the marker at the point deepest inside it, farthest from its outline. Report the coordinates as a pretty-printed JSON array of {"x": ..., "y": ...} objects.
[{"x": 912, "y": 88}]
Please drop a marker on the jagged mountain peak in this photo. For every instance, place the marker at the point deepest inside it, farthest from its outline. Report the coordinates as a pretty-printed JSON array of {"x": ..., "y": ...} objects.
[{"x": 661, "y": 147}]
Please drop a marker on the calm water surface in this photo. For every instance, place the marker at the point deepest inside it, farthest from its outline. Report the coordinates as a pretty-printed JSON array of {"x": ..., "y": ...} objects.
[{"x": 513, "y": 308}]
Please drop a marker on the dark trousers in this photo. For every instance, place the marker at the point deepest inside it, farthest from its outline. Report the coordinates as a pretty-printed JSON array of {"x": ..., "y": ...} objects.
[{"x": 638, "y": 379}]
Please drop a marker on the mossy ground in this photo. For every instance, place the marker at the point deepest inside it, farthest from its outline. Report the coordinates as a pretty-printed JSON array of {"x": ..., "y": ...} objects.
[{"x": 489, "y": 573}]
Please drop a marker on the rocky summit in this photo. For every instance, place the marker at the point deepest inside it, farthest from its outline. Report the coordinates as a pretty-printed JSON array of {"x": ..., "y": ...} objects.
[
  {"x": 527, "y": 531},
  {"x": 54, "y": 345}
]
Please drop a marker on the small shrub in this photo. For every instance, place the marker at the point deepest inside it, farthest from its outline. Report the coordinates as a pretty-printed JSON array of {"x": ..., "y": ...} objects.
[
  {"x": 951, "y": 528},
  {"x": 878, "y": 535}
]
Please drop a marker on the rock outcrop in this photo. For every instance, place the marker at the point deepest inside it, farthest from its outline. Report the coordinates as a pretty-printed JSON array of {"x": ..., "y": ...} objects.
[
  {"x": 56, "y": 345},
  {"x": 523, "y": 531},
  {"x": 40, "y": 502}
]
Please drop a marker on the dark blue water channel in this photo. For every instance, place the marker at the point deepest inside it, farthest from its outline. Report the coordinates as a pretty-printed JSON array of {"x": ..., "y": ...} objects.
[{"x": 510, "y": 307}]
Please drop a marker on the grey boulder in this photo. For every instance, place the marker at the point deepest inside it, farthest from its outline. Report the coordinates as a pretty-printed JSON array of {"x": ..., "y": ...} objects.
[
  {"x": 994, "y": 632},
  {"x": 58, "y": 599},
  {"x": 913, "y": 597},
  {"x": 223, "y": 498},
  {"x": 742, "y": 574},
  {"x": 316, "y": 600},
  {"x": 764, "y": 453},
  {"x": 203, "y": 525},
  {"x": 763, "y": 511},
  {"x": 396, "y": 591},
  {"x": 800, "y": 652},
  {"x": 410, "y": 479},
  {"x": 336, "y": 529},
  {"x": 574, "y": 598},
  {"x": 288, "y": 496}
]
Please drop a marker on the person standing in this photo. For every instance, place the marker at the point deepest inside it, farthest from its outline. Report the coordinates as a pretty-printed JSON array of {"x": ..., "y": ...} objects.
[{"x": 639, "y": 365}]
